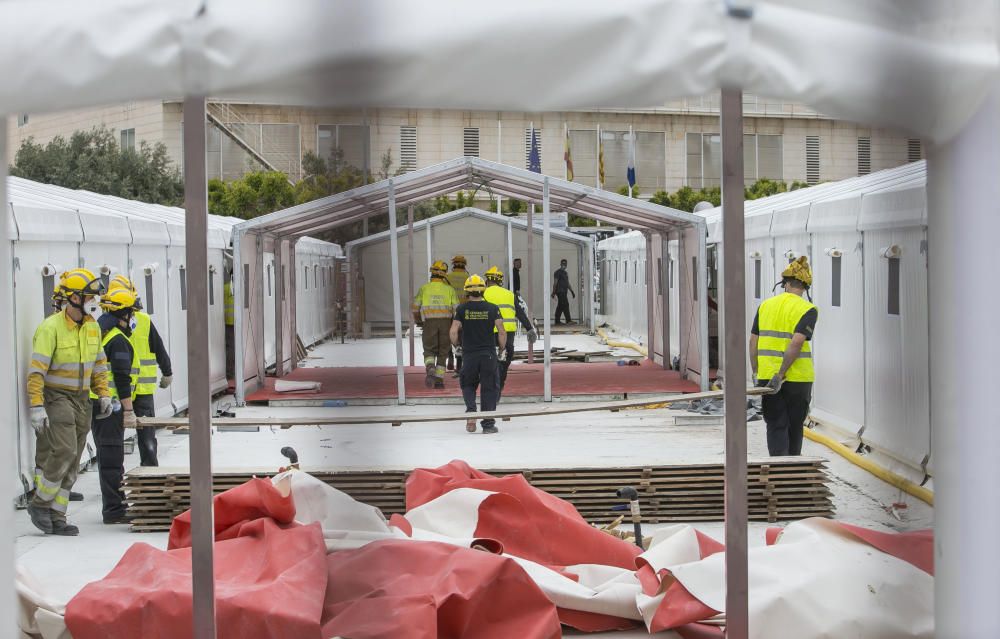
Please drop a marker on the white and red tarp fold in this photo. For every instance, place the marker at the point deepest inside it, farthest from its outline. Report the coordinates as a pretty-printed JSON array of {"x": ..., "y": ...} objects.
[{"x": 297, "y": 558}]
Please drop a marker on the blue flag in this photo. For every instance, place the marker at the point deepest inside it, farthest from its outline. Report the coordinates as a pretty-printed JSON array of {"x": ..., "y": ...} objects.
[
  {"x": 534, "y": 158},
  {"x": 630, "y": 173}
]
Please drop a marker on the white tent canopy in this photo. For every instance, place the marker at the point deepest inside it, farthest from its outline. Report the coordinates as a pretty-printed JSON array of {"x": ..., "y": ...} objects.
[{"x": 930, "y": 63}]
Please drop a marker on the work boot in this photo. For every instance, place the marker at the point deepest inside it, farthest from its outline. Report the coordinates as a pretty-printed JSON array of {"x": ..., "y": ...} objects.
[
  {"x": 438, "y": 383},
  {"x": 429, "y": 377},
  {"x": 75, "y": 496},
  {"x": 470, "y": 425},
  {"x": 490, "y": 430},
  {"x": 123, "y": 518},
  {"x": 41, "y": 517},
  {"x": 60, "y": 527}
]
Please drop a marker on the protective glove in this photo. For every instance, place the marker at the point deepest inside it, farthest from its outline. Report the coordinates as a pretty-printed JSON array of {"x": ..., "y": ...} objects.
[
  {"x": 115, "y": 405},
  {"x": 128, "y": 419},
  {"x": 532, "y": 336},
  {"x": 104, "y": 408},
  {"x": 502, "y": 354},
  {"x": 165, "y": 381},
  {"x": 775, "y": 383},
  {"x": 458, "y": 351},
  {"x": 39, "y": 418}
]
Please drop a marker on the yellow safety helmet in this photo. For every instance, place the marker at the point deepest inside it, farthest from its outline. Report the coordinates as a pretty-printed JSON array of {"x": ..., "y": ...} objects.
[
  {"x": 79, "y": 281},
  {"x": 118, "y": 299},
  {"x": 458, "y": 260},
  {"x": 475, "y": 284},
  {"x": 494, "y": 275},
  {"x": 439, "y": 268},
  {"x": 799, "y": 269},
  {"x": 120, "y": 281}
]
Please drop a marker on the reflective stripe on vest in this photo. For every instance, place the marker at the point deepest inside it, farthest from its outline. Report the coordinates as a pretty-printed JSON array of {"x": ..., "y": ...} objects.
[
  {"x": 66, "y": 354},
  {"x": 227, "y": 300},
  {"x": 777, "y": 318},
  {"x": 504, "y": 299},
  {"x": 146, "y": 384},
  {"x": 133, "y": 373}
]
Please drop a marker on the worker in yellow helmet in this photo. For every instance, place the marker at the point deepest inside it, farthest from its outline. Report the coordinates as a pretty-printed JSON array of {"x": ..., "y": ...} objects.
[
  {"x": 781, "y": 358},
  {"x": 481, "y": 327},
  {"x": 457, "y": 278},
  {"x": 119, "y": 305},
  {"x": 513, "y": 310},
  {"x": 67, "y": 363},
  {"x": 152, "y": 353},
  {"x": 433, "y": 308}
]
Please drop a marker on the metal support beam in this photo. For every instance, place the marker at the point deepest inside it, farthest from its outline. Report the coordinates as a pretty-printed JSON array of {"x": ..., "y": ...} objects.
[
  {"x": 238, "y": 320},
  {"x": 591, "y": 292},
  {"x": 547, "y": 286},
  {"x": 257, "y": 307},
  {"x": 702, "y": 283},
  {"x": 409, "y": 242},
  {"x": 293, "y": 318},
  {"x": 279, "y": 313},
  {"x": 650, "y": 290},
  {"x": 9, "y": 397},
  {"x": 199, "y": 388},
  {"x": 963, "y": 224},
  {"x": 665, "y": 300},
  {"x": 397, "y": 313},
  {"x": 528, "y": 282},
  {"x": 510, "y": 255},
  {"x": 733, "y": 282},
  {"x": 430, "y": 246}
]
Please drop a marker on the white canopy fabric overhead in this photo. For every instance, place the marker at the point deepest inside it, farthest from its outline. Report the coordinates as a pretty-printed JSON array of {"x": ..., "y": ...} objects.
[{"x": 922, "y": 66}]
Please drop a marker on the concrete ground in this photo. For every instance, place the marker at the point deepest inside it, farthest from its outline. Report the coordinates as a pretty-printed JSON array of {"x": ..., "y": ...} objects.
[{"x": 629, "y": 438}]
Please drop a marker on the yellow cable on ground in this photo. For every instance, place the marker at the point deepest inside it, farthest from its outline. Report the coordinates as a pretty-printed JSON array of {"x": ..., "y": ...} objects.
[
  {"x": 907, "y": 486},
  {"x": 632, "y": 345}
]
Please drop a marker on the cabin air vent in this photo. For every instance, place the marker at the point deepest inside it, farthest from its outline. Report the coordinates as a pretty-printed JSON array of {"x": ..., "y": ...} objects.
[
  {"x": 791, "y": 256},
  {"x": 891, "y": 251},
  {"x": 833, "y": 252},
  {"x": 149, "y": 269}
]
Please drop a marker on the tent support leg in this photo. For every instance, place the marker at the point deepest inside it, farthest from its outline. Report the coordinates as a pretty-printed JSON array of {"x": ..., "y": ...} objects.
[
  {"x": 397, "y": 314},
  {"x": 650, "y": 315},
  {"x": 409, "y": 240},
  {"x": 10, "y": 398},
  {"x": 546, "y": 285}
]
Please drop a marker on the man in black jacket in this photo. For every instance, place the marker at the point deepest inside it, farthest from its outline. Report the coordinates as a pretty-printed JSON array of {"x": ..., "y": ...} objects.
[
  {"x": 483, "y": 336},
  {"x": 123, "y": 371}
]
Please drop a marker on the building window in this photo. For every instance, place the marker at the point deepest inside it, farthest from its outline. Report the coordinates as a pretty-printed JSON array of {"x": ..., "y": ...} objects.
[
  {"x": 756, "y": 278},
  {"x": 864, "y": 155},
  {"x": 48, "y": 287},
  {"x": 914, "y": 150},
  {"x": 408, "y": 148},
  {"x": 316, "y": 282},
  {"x": 835, "y": 282},
  {"x": 762, "y": 158},
  {"x": 128, "y": 139},
  {"x": 470, "y": 142},
  {"x": 346, "y": 144},
  {"x": 147, "y": 301},
  {"x": 538, "y": 141},
  {"x": 583, "y": 145},
  {"x": 650, "y": 160},
  {"x": 22, "y": 119},
  {"x": 305, "y": 278},
  {"x": 812, "y": 159},
  {"x": 893, "y": 286}
]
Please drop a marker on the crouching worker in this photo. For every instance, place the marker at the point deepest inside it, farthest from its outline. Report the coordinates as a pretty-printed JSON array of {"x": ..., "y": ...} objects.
[
  {"x": 478, "y": 321},
  {"x": 117, "y": 323}
]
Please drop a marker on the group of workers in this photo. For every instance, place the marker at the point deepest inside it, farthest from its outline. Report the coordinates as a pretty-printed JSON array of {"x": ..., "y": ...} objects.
[
  {"x": 472, "y": 320},
  {"x": 90, "y": 373}
]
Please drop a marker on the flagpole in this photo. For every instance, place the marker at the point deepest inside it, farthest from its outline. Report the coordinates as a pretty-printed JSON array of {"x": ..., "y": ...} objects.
[
  {"x": 600, "y": 186},
  {"x": 499, "y": 161}
]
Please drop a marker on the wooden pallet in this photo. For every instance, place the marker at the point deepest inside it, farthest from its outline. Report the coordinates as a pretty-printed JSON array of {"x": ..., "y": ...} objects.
[{"x": 778, "y": 489}]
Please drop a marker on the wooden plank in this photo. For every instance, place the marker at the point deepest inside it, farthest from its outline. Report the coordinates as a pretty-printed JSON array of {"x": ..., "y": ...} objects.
[{"x": 354, "y": 420}]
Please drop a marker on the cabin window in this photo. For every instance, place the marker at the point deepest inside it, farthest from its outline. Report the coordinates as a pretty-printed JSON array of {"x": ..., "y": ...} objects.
[
  {"x": 148, "y": 302},
  {"x": 835, "y": 282},
  {"x": 893, "y": 286},
  {"x": 182, "y": 272},
  {"x": 48, "y": 287},
  {"x": 756, "y": 278}
]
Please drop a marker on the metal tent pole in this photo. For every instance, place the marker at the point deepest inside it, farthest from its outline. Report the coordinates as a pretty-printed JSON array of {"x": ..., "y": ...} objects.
[
  {"x": 239, "y": 348},
  {"x": 737, "y": 617},
  {"x": 9, "y": 398},
  {"x": 702, "y": 283},
  {"x": 547, "y": 286},
  {"x": 409, "y": 241},
  {"x": 528, "y": 283},
  {"x": 510, "y": 254},
  {"x": 257, "y": 307},
  {"x": 397, "y": 313},
  {"x": 279, "y": 291},
  {"x": 963, "y": 224},
  {"x": 293, "y": 317},
  {"x": 650, "y": 315},
  {"x": 199, "y": 391},
  {"x": 664, "y": 275}
]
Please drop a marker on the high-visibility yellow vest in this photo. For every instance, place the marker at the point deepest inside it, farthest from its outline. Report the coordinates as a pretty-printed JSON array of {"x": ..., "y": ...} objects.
[
  {"x": 146, "y": 383},
  {"x": 777, "y": 318},
  {"x": 67, "y": 356},
  {"x": 133, "y": 373},
  {"x": 504, "y": 299},
  {"x": 457, "y": 280},
  {"x": 435, "y": 299},
  {"x": 227, "y": 300}
]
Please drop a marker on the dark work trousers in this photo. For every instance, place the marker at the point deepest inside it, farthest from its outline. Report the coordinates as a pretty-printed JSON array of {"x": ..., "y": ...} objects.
[
  {"x": 562, "y": 307},
  {"x": 504, "y": 365},
  {"x": 784, "y": 413},
  {"x": 479, "y": 369},
  {"x": 145, "y": 437},
  {"x": 109, "y": 436}
]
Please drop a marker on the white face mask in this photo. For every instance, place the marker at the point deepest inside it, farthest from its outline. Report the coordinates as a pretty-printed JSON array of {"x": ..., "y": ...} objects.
[
  {"x": 131, "y": 323},
  {"x": 92, "y": 307}
]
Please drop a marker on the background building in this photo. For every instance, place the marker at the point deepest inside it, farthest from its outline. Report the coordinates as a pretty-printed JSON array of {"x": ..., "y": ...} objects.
[{"x": 676, "y": 144}]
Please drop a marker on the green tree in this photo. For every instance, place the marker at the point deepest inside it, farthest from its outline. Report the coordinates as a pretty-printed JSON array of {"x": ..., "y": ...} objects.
[
  {"x": 661, "y": 197},
  {"x": 254, "y": 194},
  {"x": 624, "y": 191},
  {"x": 94, "y": 161},
  {"x": 763, "y": 188}
]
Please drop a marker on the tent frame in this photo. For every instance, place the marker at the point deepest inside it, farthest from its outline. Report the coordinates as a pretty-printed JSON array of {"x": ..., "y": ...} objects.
[{"x": 386, "y": 196}]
